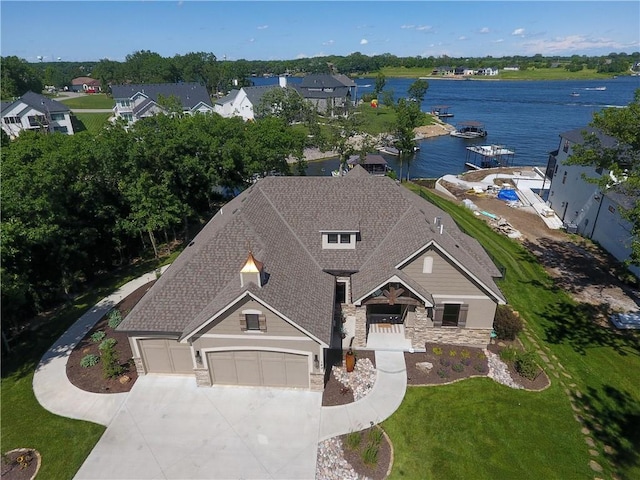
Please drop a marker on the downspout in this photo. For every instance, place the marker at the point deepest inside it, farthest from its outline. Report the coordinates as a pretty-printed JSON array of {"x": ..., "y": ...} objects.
[{"x": 595, "y": 220}]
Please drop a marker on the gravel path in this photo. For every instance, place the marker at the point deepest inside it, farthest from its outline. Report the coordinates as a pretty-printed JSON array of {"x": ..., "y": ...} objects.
[{"x": 499, "y": 372}]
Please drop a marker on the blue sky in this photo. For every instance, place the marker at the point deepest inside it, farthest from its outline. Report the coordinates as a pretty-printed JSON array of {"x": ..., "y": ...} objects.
[{"x": 277, "y": 30}]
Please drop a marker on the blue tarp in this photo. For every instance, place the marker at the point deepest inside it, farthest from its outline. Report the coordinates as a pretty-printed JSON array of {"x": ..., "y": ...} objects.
[{"x": 508, "y": 195}]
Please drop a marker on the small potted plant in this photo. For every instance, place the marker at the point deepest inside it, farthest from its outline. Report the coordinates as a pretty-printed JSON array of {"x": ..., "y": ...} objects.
[{"x": 350, "y": 358}]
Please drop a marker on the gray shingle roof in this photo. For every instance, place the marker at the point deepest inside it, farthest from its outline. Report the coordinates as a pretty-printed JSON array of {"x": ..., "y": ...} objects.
[
  {"x": 39, "y": 102},
  {"x": 575, "y": 136},
  {"x": 326, "y": 81},
  {"x": 255, "y": 94},
  {"x": 190, "y": 94},
  {"x": 279, "y": 219}
]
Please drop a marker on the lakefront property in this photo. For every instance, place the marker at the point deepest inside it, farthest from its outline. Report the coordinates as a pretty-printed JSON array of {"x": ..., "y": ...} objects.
[{"x": 295, "y": 267}]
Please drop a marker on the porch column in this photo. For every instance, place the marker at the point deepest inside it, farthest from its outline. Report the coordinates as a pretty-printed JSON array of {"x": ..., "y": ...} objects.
[
  {"x": 360, "y": 340},
  {"x": 422, "y": 325}
]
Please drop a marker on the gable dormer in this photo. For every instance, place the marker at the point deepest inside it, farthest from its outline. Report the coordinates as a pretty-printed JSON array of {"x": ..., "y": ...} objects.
[{"x": 252, "y": 272}]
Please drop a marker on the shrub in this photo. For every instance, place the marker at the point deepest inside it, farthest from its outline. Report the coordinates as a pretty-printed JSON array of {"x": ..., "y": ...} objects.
[
  {"x": 110, "y": 363},
  {"x": 506, "y": 323},
  {"x": 526, "y": 365},
  {"x": 508, "y": 354},
  {"x": 97, "y": 336},
  {"x": 437, "y": 351},
  {"x": 370, "y": 455},
  {"x": 375, "y": 436},
  {"x": 107, "y": 342},
  {"x": 465, "y": 354},
  {"x": 452, "y": 353},
  {"x": 457, "y": 367},
  {"x": 114, "y": 318},
  {"x": 353, "y": 440},
  {"x": 89, "y": 360},
  {"x": 442, "y": 373},
  {"x": 480, "y": 368},
  {"x": 466, "y": 362},
  {"x": 444, "y": 362}
]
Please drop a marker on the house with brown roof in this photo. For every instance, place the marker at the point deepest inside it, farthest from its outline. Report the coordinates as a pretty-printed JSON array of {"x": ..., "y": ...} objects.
[{"x": 295, "y": 269}]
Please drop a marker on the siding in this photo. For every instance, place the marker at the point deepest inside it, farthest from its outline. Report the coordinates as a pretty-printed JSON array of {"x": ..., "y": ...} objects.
[
  {"x": 229, "y": 323},
  {"x": 481, "y": 312},
  {"x": 445, "y": 279}
]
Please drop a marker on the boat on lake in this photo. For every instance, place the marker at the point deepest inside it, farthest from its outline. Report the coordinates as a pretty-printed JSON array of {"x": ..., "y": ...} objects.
[
  {"x": 469, "y": 129},
  {"x": 574, "y": 94},
  {"x": 596, "y": 88},
  {"x": 441, "y": 111},
  {"x": 488, "y": 156},
  {"x": 389, "y": 150}
]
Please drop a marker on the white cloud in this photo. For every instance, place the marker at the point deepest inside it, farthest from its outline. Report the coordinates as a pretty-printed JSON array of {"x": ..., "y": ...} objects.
[
  {"x": 518, "y": 31},
  {"x": 484, "y": 30},
  {"x": 251, "y": 40},
  {"x": 500, "y": 40},
  {"x": 462, "y": 38},
  {"x": 424, "y": 28},
  {"x": 301, "y": 55},
  {"x": 571, "y": 43},
  {"x": 364, "y": 41},
  {"x": 263, "y": 27},
  {"x": 329, "y": 42},
  {"x": 407, "y": 26}
]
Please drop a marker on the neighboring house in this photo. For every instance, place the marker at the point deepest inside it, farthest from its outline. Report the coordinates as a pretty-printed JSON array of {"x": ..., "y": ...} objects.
[
  {"x": 489, "y": 71},
  {"x": 443, "y": 71},
  {"x": 86, "y": 84},
  {"x": 583, "y": 206},
  {"x": 134, "y": 102},
  {"x": 296, "y": 268},
  {"x": 330, "y": 94},
  {"x": 33, "y": 111},
  {"x": 242, "y": 103}
]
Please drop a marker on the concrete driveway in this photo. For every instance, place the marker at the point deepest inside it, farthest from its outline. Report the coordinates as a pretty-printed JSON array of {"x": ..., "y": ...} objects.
[{"x": 169, "y": 429}]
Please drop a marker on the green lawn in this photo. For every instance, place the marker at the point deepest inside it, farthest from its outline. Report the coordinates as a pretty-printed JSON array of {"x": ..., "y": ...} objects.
[
  {"x": 92, "y": 122},
  {"x": 604, "y": 366},
  {"x": 95, "y": 100}
]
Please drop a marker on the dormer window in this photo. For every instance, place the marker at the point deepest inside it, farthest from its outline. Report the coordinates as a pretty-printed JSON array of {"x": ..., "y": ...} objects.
[{"x": 339, "y": 240}]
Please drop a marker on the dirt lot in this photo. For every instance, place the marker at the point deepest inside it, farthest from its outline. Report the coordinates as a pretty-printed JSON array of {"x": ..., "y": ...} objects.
[{"x": 580, "y": 267}]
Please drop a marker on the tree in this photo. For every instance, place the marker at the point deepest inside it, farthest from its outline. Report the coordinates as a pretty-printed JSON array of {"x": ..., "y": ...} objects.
[
  {"x": 408, "y": 117},
  {"x": 17, "y": 78},
  {"x": 381, "y": 81},
  {"x": 284, "y": 103},
  {"x": 622, "y": 159},
  {"x": 418, "y": 90}
]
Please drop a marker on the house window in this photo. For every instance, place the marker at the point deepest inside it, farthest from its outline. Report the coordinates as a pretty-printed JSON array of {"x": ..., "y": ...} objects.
[
  {"x": 450, "y": 315},
  {"x": 253, "y": 321},
  {"x": 128, "y": 117},
  {"x": 564, "y": 178},
  {"x": 37, "y": 120},
  {"x": 61, "y": 129},
  {"x": 565, "y": 147},
  {"x": 10, "y": 120},
  {"x": 555, "y": 170},
  {"x": 345, "y": 238},
  {"x": 339, "y": 240},
  {"x": 599, "y": 170},
  {"x": 57, "y": 116},
  {"x": 124, "y": 103},
  {"x": 332, "y": 238}
]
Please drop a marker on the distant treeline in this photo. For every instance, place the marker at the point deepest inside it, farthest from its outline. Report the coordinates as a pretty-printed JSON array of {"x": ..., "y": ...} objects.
[{"x": 220, "y": 76}]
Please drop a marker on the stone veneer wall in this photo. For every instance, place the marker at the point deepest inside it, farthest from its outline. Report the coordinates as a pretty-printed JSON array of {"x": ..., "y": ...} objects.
[
  {"x": 317, "y": 382},
  {"x": 422, "y": 325},
  {"x": 203, "y": 379},
  {"x": 139, "y": 366},
  {"x": 453, "y": 336},
  {"x": 361, "y": 327}
]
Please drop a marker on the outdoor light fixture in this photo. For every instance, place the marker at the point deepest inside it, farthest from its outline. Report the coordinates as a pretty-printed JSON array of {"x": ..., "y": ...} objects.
[
  {"x": 198, "y": 357},
  {"x": 316, "y": 362}
]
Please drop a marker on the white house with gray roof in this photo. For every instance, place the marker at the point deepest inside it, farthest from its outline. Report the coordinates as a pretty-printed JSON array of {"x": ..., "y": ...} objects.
[
  {"x": 296, "y": 268},
  {"x": 134, "y": 102},
  {"x": 584, "y": 207},
  {"x": 33, "y": 111},
  {"x": 242, "y": 103}
]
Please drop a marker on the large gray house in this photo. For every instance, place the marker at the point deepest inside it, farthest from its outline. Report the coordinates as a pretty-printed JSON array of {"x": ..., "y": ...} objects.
[{"x": 297, "y": 266}]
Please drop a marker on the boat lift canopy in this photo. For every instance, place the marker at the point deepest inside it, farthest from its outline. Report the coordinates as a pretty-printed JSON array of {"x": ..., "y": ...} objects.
[{"x": 488, "y": 156}]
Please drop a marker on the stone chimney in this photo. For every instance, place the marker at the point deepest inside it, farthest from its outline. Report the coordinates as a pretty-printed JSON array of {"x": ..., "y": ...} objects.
[{"x": 251, "y": 272}]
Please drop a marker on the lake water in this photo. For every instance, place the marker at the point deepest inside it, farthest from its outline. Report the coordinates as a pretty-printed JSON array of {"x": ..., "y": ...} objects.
[{"x": 524, "y": 116}]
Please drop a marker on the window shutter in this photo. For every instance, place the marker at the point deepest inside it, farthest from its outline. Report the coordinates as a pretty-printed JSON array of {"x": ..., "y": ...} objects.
[
  {"x": 262, "y": 321},
  {"x": 462, "y": 319},
  {"x": 243, "y": 322},
  {"x": 438, "y": 311}
]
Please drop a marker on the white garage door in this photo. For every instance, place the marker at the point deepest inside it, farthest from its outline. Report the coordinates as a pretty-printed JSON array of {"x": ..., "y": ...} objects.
[
  {"x": 162, "y": 355},
  {"x": 258, "y": 368}
]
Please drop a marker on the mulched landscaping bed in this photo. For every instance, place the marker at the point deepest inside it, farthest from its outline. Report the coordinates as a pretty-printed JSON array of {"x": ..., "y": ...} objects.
[
  {"x": 337, "y": 394},
  {"x": 355, "y": 456},
  {"x": 92, "y": 379},
  {"x": 471, "y": 362},
  {"x": 20, "y": 464}
]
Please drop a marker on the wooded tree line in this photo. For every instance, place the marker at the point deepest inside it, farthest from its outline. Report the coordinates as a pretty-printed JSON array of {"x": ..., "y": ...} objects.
[
  {"x": 145, "y": 66},
  {"x": 74, "y": 206}
]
